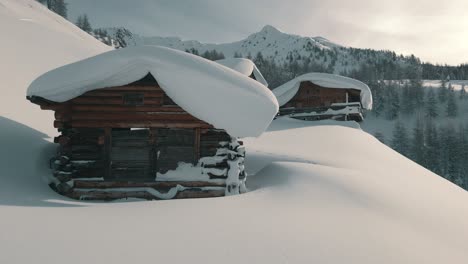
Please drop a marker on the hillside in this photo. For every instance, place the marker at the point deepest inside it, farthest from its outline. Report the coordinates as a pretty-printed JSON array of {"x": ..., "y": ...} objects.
[
  {"x": 328, "y": 193},
  {"x": 283, "y": 48},
  {"x": 38, "y": 40}
]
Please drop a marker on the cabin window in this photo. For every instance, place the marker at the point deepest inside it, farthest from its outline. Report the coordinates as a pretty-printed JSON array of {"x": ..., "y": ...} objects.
[{"x": 133, "y": 99}]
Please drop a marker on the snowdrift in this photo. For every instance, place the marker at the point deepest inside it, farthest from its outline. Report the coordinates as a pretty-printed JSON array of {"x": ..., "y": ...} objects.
[
  {"x": 287, "y": 91},
  {"x": 244, "y": 66},
  {"x": 209, "y": 91},
  {"x": 35, "y": 41}
]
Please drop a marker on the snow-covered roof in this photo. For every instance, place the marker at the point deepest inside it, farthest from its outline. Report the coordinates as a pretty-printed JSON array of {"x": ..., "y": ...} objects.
[
  {"x": 207, "y": 90},
  {"x": 287, "y": 91},
  {"x": 244, "y": 66}
]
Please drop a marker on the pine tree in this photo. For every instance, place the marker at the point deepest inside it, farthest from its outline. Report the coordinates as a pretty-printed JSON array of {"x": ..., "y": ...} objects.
[
  {"x": 452, "y": 153},
  {"x": 83, "y": 22},
  {"x": 442, "y": 92},
  {"x": 432, "y": 155},
  {"x": 393, "y": 99},
  {"x": 452, "y": 107},
  {"x": 417, "y": 151},
  {"x": 431, "y": 104},
  {"x": 57, "y": 6},
  {"x": 462, "y": 92},
  {"x": 400, "y": 141},
  {"x": 379, "y": 136}
]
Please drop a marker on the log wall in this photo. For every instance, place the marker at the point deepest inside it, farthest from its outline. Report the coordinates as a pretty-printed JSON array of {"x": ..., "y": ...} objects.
[
  {"x": 312, "y": 95},
  {"x": 126, "y": 135}
]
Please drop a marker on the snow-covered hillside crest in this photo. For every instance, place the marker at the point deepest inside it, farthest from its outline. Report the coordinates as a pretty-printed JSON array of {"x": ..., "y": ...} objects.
[
  {"x": 282, "y": 48},
  {"x": 38, "y": 40}
]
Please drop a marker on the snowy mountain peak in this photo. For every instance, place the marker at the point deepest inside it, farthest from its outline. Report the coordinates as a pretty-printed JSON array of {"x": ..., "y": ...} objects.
[{"x": 269, "y": 29}]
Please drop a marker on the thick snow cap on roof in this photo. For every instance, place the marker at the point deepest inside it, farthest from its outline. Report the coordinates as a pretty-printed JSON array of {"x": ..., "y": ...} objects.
[
  {"x": 207, "y": 90},
  {"x": 244, "y": 66},
  {"x": 287, "y": 91}
]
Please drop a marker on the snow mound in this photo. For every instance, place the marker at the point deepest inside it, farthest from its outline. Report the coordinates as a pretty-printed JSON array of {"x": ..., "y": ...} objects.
[
  {"x": 35, "y": 40},
  {"x": 287, "y": 91},
  {"x": 244, "y": 66},
  {"x": 209, "y": 91}
]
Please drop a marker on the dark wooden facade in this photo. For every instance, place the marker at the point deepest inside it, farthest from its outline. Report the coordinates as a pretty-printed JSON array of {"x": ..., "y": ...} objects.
[
  {"x": 314, "y": 98},
  {"x": 121, "y": 137}
]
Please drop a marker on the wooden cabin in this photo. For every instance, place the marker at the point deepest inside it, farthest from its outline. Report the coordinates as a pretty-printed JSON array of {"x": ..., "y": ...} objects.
[
  {"x": 133, "y": 140},
  {"x": 321, "y": 96}
]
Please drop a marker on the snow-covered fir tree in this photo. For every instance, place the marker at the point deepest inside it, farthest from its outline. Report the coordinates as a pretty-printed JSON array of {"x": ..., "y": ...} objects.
[
  {"x": 400, "y": 140},
  {"x": 431, "y": 105},
  {"x": 452, "y": 107}
]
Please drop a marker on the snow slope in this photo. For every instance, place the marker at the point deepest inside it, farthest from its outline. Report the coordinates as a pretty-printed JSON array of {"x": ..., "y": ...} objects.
[
  {"x": 34, "y": 41},
  {"x": 319, "y": 194}
]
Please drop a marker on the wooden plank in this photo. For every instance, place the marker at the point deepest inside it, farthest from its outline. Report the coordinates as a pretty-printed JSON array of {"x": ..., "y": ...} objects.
[
  {"x": 108, "y": 196},
  {"x": 59, "y": 124},
  {"x": 152, "y": 184},
  {"x": 107, "y": 152},
  {"x": 140, "y": 116},
  {"x": 196, "y": 145},
  {"x": 110, "y": 101},
  {"x": 133, "y": 88},
  {"x": 112, "y": 93},
  {"x": 123, "y": 108},
  {"x": 135, "y": 124}
]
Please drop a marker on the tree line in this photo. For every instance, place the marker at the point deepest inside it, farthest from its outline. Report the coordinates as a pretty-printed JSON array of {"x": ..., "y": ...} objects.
[{"x": 443, "y": 149}]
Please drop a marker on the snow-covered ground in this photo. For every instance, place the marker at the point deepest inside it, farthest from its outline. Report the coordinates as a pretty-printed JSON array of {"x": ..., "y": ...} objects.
[{"x": 326, "y": 193}]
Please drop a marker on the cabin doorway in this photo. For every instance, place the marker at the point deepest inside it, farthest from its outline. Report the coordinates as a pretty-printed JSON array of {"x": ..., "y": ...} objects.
[
  {"x": 132, "y": 155},
  {"x": 139, "y": 154}
]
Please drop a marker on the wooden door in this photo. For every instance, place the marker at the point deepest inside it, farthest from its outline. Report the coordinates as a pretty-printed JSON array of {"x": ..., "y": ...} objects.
[
  {"x": 132, "y": 155},
  {"x": 175, "y": 146}
]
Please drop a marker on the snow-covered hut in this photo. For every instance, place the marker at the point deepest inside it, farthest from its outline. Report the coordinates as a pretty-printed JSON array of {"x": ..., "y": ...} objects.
[
  {"x": 315, "y": 96},
  {"x": 151, "y": 122},
  {"x": 244, "y": 66}
]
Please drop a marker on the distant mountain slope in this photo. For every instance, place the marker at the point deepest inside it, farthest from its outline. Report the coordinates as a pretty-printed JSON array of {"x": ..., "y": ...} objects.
[{"x": 283, "y": 48}]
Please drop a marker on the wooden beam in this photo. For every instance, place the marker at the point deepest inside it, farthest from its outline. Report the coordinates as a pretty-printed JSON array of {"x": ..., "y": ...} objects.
[
  {"x": 112, "y": 93},
  {"x": 157, "y": 185},
  {"x": 196, "y": 146},
  {"x": 139, "y": 124},
  {"x": 108, "y": 196},
  {"x": 133, "y": 88},
  {"x": 122, "y": 108},
  {"x": 115, "y": 100},
  {"x": 134, "y": 116},
  {"x": 107, "y": 152}
]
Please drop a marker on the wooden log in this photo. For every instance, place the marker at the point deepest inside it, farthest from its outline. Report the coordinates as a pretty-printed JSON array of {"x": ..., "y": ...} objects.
[
  {"x": 133, "y": 88},
  {"x": 134, "y": 124},
  {"x": 59, "y": 124},
  {"x": 110, "y": 101},
  {"x": 108, "y": 196},
  {"x": 107, "y": 152},
  {"x": 62, "y": 140},
  {"x": 135, "y": 116},
  {"x": 115, "y": 93},
  {"x": 196, "y": 146},
  {"x": 155, "y": 184},
  {"x": 123, "y": 108}
]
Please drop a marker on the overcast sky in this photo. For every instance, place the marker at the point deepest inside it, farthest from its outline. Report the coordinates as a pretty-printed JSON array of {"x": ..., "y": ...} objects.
[{"x": 436, "y": 31}]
